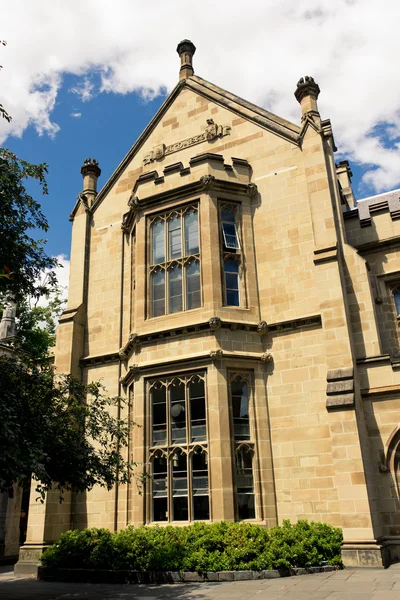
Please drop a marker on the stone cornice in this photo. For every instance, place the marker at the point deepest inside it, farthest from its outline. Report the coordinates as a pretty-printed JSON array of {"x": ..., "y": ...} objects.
[
  {"x": 212, "y": 325},
  {"x": 135, "y": 371},
  {"x": 392, "y": 243}
]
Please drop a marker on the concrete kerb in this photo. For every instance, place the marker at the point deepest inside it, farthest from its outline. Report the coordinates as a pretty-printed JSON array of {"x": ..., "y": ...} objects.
[{"x": 105, "y": 576}]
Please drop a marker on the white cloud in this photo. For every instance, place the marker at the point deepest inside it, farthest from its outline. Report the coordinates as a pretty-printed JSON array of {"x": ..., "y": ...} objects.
[
  {"x": 84, "y": 90},
  {"x": 76, "y": 115},
  {"x": 258, "y": 51}
]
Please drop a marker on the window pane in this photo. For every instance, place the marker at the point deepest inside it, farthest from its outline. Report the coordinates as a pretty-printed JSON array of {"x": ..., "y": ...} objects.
[
  {"x": 160, "y": 509},
  {"x": 180, "y": 509},
  {"x": 228, "y": 215},
  {"x": 159, "y": 407},
  {"x": 397, "y": 301},
  {"x": 175, "y": 289},
  {"x": 201, "y": 508},
  {"x": 179, "y": 488},
  {"x": 240, "y": 410},
  {"x": 245, "y": 485},
  {"x": 160, "y": 501},
  {"x": 231, "y": 280},
  {"x": 191, "y": 233},
  {"x": 192, "y": 285},
  {"x": 230, "y": 266},
  {"x": 174, "y": 238},
  {"x": 178, "y": 414},
  {"x": 232, "y": 298},
  {"x": 158, "y": 293},
  {"x": 158, "y": 248},
  {"x": 246, "y": 506},
  {"x": 231, "y": 270},
  {"x": 197, "y": 411},
  {"x": 231, "y": 239}
]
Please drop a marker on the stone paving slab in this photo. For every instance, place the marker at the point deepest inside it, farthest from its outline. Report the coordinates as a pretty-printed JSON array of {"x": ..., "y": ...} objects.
[{"x": 361, "y": 584}]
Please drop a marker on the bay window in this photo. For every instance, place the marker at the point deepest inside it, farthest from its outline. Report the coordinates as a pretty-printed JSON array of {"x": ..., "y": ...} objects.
[
  {"x": 175, "y": 261},
  {"x": 178, "y": 452}
]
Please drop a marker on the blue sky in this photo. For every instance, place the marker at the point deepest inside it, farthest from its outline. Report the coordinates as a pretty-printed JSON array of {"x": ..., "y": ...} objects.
[
  {"x": 113, "y": 63},
  {"x": 108, "y": 126}
]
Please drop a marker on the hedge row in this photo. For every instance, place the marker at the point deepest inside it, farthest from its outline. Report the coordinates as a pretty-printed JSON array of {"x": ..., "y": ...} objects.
[{"x": 200, "y": 547}]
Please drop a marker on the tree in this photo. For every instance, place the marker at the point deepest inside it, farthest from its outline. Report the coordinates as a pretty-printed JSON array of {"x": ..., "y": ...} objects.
[
  {"x": 37, "y": 323},
  {"x": 22, "y": 257},
  {"x": 52, "y": 427},
  {"x": 56, "y": 429}
]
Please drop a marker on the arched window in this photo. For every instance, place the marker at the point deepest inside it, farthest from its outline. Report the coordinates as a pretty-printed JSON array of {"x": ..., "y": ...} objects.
[
  {"x": 174, "y": 262},
  {"x": 178, "y": 448}
]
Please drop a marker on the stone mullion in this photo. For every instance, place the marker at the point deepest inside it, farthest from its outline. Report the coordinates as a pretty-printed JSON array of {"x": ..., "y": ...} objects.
[{"x": 220, "y": 446}]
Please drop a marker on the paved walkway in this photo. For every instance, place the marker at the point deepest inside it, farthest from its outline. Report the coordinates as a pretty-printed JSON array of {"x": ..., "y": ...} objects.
[{"x": 362, "y": 584}]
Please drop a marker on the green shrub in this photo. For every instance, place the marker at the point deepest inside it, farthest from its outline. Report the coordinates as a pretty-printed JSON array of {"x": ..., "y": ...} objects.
[{"x": 200, "y": 547}]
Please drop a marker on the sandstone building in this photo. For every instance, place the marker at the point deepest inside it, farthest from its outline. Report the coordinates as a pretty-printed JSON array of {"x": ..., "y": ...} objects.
[{"x": 224, "y": 281}]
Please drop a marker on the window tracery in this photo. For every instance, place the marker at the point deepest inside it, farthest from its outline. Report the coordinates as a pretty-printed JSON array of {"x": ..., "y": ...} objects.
[
  {"x": 174, "y": 261},
  {"x": 178, "y": 453}
]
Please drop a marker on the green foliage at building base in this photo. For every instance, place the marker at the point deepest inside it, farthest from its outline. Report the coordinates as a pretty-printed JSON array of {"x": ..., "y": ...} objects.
[{"x": 200, "y": 547}]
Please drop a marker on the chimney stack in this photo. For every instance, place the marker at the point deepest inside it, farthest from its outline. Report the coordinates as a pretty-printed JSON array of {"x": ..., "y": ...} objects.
[
  {"x": 306, "y": 94},
  {"x": 90, "y": 172},
  {"x": 186, "y": 49}
]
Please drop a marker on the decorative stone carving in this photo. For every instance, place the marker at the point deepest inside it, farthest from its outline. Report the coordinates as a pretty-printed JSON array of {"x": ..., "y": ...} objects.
[
  {"x": 134, "y": 370},
  {"x": 133, "y": 339},
  {"x": 306, "y": 86},
  {"x": 122, "y": 354},
  {"x": 262, "y": 327},
  {"x": 216, "y": 354},
  {"x": 266, "y": 357},
  {"x": 340, "y": 388},
  {"x": 206, "y": 181},
  {"x": 90, "y": 165},
  {"x": 214, "y": 323},
  {"x": 133, "y": 202},
  {"x": 211, "y": 132},
  {"x": 85, "y": 201},
  {"x": 252, "y": 190}
]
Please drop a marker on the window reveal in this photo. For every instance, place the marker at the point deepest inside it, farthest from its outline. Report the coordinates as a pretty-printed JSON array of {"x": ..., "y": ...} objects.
[
  {"x": 175, "y": 262},
  {"x": 179, "y": 449}
]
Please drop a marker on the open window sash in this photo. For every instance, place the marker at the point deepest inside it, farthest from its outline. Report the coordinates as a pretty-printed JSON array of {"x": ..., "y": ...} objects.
[{"x": 231, "y": 238}]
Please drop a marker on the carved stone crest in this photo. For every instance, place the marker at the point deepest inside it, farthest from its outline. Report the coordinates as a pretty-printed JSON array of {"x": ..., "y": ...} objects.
[
  {"x": 252, "y": 190},
  {"x": 262, "y": 327},
  {"x": 266, "y": 357},
  {"x": 133, "y": 202},
  {"x": 211, "y": 132},
  {"x": 214, "y": 323},
  {"x": 206, "y": 181}
]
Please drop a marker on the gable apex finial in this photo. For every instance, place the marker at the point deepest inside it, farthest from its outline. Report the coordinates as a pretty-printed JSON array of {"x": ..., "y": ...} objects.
[
  {"x": 307, "y": 92},
  {"x": 186, "y": 50}
]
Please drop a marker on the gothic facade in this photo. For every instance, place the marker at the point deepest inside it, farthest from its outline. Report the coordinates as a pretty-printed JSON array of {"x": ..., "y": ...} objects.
[{"x": 225, "y": 282}]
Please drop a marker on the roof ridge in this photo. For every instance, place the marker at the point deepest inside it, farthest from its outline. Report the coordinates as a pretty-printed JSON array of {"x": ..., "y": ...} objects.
[{"x": 246, "y": 103}]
